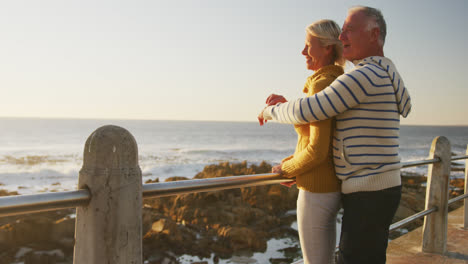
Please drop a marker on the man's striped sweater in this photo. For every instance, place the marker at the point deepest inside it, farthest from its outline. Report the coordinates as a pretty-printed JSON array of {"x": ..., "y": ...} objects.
[{"x": 367, "y": 103}]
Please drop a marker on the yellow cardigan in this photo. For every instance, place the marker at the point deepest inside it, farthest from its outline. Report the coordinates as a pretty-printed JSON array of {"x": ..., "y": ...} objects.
[{"x": 312, "y": 162}]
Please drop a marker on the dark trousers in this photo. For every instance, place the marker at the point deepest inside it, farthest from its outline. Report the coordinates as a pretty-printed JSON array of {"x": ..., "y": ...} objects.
[{"x": 366, "y": 219}]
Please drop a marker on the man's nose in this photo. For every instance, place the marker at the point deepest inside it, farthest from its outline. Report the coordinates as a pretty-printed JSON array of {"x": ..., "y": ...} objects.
[{"x": 342, "y": 36}]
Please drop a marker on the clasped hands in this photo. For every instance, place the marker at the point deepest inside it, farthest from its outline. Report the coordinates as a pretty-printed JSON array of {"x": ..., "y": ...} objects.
[{"x": 273, "y": 99}]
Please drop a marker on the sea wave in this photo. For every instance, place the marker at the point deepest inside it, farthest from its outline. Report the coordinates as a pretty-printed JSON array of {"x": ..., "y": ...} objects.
[
  {"x": 42, "y": 180},
  {"x": 53, "y": 152},
  {"x": 32, "y": 160}
]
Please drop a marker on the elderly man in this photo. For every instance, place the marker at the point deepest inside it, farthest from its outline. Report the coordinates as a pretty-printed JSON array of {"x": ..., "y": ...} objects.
[{"x": 367, "y": 103}]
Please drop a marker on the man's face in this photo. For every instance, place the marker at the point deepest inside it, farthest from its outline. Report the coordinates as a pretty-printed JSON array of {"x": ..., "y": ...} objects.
[{"x": 355, "y": 36}]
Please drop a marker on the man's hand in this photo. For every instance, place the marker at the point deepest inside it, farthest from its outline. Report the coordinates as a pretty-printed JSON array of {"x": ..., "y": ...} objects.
[
  {"x": 260, "y": 118},
  {"x": 274, "y": 99}
]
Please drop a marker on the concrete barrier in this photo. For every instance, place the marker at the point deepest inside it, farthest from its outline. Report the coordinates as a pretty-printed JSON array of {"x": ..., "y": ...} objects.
[
  {"x": 435, "y": 225},
  {"x": 108, "y": 229}
]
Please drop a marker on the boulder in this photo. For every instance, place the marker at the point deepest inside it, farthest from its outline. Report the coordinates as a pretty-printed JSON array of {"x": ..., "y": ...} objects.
[{"x": 222, "y": 222}]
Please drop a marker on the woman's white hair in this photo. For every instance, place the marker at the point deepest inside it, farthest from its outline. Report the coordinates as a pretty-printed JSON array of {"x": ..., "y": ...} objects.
[
  {"x": 328, "y": 32},
  {"x": 377, "y": 20}
]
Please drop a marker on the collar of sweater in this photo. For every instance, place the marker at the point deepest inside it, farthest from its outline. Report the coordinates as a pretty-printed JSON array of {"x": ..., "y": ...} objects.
[
  {"x": 356, "y": 62},
  {"x": 329, "y": 69},
  {"x": 333, "y": 70}
]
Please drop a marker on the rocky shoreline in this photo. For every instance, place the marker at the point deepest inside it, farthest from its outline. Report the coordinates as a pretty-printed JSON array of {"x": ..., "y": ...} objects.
[{"x": 212, "y": 225}]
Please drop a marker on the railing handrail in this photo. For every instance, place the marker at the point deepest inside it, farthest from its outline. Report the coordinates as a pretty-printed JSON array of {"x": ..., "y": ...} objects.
[
  {"x": 412, "y": 218},
  {"x": 31, "y": 203},
  {"x": 458, "y": 198},
  {"x": 162, "y": 189},
  {"x": 421, "y": 214},
  {"x": 459, "y": 157},
  {"x": 21, "y": 204},
  {"x": 416, "y": 163}
]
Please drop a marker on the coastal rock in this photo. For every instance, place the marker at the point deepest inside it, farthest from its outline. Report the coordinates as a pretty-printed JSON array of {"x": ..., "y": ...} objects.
[
  {"x": 412, "y": 197},
  {"x": 243, "y": 238},
  {"x": 222, "y": 222},
  {"x": 25, "y": 231},
  {"x": 38, "y": 238},
  {"x": 44, "y": 257},
  {"x": 7, "y": 193},
  {"x": 62, "y": 232}
]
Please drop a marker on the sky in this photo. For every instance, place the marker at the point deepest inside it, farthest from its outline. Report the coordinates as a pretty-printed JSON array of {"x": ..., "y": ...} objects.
[{"x": 209, "y": 59}]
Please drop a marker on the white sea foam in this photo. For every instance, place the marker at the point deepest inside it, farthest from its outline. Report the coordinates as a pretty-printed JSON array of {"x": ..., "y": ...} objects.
[{"x": 36, "y": 153}]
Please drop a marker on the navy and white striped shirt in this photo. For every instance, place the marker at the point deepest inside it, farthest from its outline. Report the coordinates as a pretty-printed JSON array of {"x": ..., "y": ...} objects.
[{"x": 367, "y": 103}]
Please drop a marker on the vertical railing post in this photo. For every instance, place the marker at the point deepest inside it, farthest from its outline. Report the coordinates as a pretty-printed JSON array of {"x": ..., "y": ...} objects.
[
  {"x": 435, "y": 224},
  {"x": 465, "y": 217},
  {"x": 108, "y": 230}
]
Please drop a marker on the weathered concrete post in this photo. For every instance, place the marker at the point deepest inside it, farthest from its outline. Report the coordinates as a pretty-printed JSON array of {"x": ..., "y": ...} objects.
[
  {"x": 465, "y": 221},
  {"x": 108, "y": 230},
  {"x": 435, "y": 224}
]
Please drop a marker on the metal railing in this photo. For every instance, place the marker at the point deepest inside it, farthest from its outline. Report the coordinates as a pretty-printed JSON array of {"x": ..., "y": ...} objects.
[
  {"x": 96, "y": 164},
  {"x": 23, "y": 204},
  {"x": 421, "y": 214}
]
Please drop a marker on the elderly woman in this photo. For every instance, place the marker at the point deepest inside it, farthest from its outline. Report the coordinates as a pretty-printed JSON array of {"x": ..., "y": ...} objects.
[{"x": 312, "y": 163}]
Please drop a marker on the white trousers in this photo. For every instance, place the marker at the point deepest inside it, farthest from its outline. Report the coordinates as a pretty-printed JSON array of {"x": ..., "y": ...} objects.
[{"x": 316, "y": 222}]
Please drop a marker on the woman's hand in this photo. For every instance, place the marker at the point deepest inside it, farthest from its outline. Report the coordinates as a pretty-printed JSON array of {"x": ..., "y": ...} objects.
[
  {"x": 277, "y": 169},
  {"x": 274, "y": 99},
  {"x": 288, "y": 184}
]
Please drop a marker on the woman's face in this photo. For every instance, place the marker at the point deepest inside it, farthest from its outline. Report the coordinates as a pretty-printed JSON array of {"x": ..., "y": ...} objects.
[{"x": 316, "y": 55}]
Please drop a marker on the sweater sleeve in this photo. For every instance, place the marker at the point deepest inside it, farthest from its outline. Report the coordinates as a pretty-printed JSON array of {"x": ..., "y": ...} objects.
[
  {"x": 344, "y": 93},
  {"x": 314, "y": 154},
  {"x": 287, "y": 158},
  {"x": 318, "y": 147}
]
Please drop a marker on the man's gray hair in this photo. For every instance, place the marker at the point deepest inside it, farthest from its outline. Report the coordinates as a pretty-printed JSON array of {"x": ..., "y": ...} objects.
[{"x": 377, "y": 20}]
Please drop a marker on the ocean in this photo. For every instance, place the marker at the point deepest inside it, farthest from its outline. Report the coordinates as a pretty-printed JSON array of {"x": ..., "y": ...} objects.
[
  {"x": 37, "y": 155},
  {"x": 41, "y": 155}
]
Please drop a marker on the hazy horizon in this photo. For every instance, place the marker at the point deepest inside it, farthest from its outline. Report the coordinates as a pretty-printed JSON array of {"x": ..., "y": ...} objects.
[
  {"x": 186, "y": 120},
  {"x": 209, "y": 60}
]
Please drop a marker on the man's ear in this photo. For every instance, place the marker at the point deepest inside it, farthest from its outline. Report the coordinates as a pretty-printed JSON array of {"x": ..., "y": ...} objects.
[{"x": 375, "y": 34}]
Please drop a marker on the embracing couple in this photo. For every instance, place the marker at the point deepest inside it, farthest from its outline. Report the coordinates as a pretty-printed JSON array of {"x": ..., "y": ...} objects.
[{"x": 348, "y": 139}]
